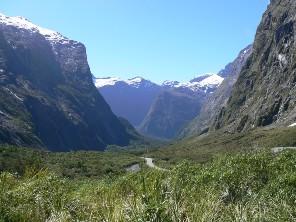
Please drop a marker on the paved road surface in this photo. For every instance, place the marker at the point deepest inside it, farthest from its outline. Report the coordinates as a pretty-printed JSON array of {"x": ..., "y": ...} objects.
[
  {"x": 149, "y": 162},
  {"x": 279, "y": 149}
]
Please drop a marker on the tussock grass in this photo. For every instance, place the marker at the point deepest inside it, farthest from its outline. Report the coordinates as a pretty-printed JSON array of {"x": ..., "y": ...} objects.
[{"x": 248, "y": 187}]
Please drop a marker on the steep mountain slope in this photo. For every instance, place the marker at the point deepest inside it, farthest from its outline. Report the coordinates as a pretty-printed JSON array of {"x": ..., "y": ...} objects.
[
  {"x": 131, "y": 98},
  {"x": 174, "y": 108},
  {"x": 47, "y": 94},
  {"x": 219, "y": 98},
  {"x": 265, "y": 92}
]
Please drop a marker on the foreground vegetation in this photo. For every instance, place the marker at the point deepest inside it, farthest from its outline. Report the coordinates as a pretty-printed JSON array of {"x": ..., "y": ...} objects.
[
  {"x": 72, "y": 165},
  {"x": 246, "y": 187}
]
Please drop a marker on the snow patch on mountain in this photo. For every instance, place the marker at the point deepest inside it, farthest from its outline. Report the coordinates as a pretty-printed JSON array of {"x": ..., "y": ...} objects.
[
  {"x": 134, "y": 82},
  {"x": 109, "y": 81},
  {"x": 194, "y": 86},
  {"x": 202, "y": 82},
  {"x": 170, "y": 84},
  {"x": 212, "y": 80},
  {"x": 138, "y": 82},
  {"x": 22, "y": 23},
  {"x": 294, "y": 124}
]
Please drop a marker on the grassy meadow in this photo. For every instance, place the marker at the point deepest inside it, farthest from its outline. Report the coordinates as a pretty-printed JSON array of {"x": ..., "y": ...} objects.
[
  {"x": 203, "y": 149},
  {"x": 249, "y": 187},
  {"x": 232, "y": 177}
]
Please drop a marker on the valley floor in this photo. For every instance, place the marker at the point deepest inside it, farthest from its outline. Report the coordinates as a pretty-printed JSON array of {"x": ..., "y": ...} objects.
[
  {"x": 249, "y": 187},
  {"x": 222, "y": 177}
]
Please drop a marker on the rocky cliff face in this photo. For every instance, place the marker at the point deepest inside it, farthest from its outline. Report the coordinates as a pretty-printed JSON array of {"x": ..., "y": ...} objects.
[
  {"x": 265, "y": 92},
  {"x": 174, "y": 108},
  {"x": 169, "y": 111},
  {"x": 47, "y": 94},
  {"x": 218, "y": 99}
]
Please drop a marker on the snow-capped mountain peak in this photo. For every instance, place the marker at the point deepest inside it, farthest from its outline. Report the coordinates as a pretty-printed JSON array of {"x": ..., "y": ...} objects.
[
  {"x": 202, "y": 82},
  {"x": 23, "y": 23},
  {"x": 68, "y": 52},
  {"x": 211, "y": 80},
  {"x": 109, "y": 81},
  {"x": 135, "y": 82},
  {"x": 139, "y": 81}
]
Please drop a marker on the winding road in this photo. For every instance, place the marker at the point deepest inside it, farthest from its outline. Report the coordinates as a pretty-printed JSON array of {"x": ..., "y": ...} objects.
[
  {"x": 149, "y": 162},
  {"x": 279, "y": 149}
]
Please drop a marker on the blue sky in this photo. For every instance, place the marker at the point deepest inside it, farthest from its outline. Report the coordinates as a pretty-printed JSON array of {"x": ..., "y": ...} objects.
[{"x": 156, "y": 39}]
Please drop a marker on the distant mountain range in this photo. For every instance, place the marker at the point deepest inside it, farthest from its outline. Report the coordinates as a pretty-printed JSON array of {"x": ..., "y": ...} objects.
[
  {"x": 130, "y": 99},
  {"x": 145, "y": 104},
  {"x": 50, "y": 99},
  {"x": 201, "y": 123},
  {"x": 172, "y": 109}
]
